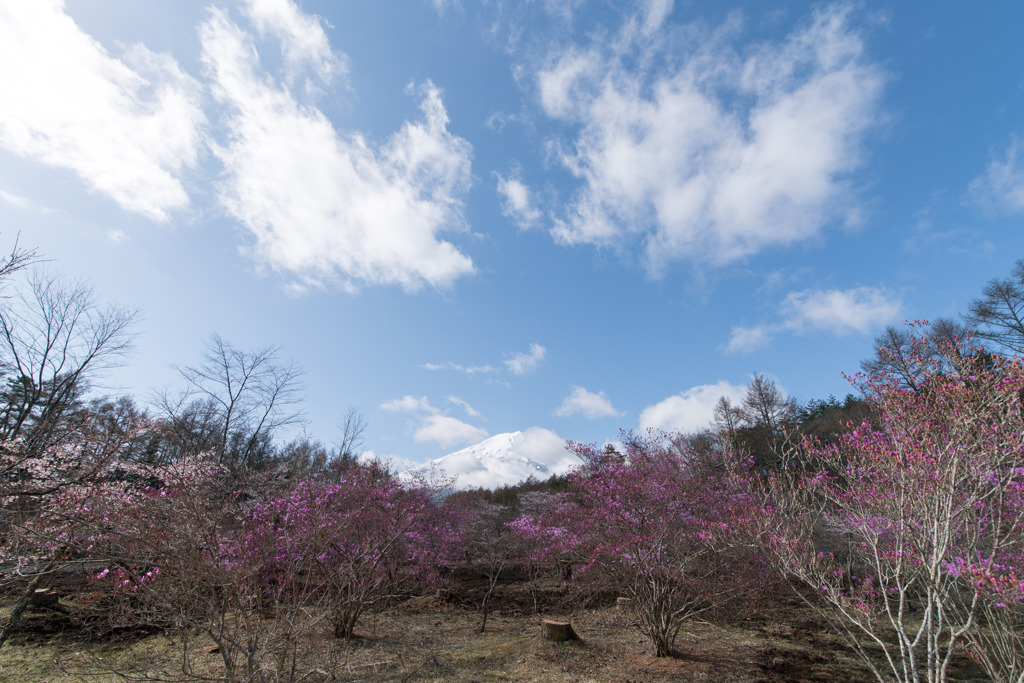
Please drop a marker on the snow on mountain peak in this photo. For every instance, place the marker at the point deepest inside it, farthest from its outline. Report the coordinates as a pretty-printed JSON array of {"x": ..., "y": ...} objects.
[{"x": 507, "y": 458}]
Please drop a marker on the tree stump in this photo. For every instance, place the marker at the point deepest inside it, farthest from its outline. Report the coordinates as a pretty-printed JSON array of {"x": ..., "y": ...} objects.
[
  {"x": 44, "y": 597},
  {"x": 558, "y": 631},
  {"x": 624, "y": 604}
]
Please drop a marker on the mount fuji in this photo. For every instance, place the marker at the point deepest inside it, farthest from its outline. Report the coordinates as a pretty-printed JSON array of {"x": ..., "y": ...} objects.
[{"x": 502, "y": 459}]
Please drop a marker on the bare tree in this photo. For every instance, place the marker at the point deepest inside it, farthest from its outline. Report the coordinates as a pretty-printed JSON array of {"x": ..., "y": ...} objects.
[
  {"x": 899, "y": 350},
  {"x": 54, "y": 338},
  {"x": 728, "y": 417},
  {"x": 999, "y": 313},
  {"x": 758, "y": 425},
  {"x": 18, "y": 258},
  {"x": 892, "y": 354},
  {"x": 768, "y": 406},
  {"x": 490, "y": 544},
  {"x": 353, "y": 427},
  {"x": 233, "y": 402}
]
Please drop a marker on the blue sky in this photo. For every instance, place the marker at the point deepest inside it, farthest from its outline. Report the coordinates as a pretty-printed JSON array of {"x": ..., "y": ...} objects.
[{"x": 467, "y": 218}]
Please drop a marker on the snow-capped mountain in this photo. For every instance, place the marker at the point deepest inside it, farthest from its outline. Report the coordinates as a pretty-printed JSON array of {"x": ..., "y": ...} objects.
[{"x": 507, "y": 458}]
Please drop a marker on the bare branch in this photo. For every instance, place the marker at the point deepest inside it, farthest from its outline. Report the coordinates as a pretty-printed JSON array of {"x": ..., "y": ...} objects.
[
  {"x": 353, "y": 426},
  {"x": 233, "y": 402},
  {"x": 54, "y": 340}
]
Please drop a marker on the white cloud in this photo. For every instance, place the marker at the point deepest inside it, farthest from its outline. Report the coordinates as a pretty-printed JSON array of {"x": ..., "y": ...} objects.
[
  {"x": 691, "y": 410},
  {"x": 472, "y": 412},
  {"x": 587, "y": 404},
  {"x": 127, "y": 127},
  {"x": 14, "y": 199},
  {"x": 521, "y": 363},
  {"x": 1001, "y": 187},
  {"x": 747, "y": 339},
  {"x": 409, "y": 404},
  {"x": 561, "y": 86},
  {"x": 469, "y": 370},
  {"x": 322, "y": 204},
  {"x": 448, "y": 431},
  {"x": 302, "y": 37},
  {"x": 393, "y": 463},
  {"x": 840, "y": 312},
  {"x": 516, "y": 204},
  {"x": 547, "y": 448},
  {"x": 517, "y": 362},
  {"x": 434, "y": 425},
  {"x": 712, "y": 154}
]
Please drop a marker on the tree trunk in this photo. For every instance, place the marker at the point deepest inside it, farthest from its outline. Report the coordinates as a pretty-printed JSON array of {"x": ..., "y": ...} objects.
[
  {"x": 493, "y": 578},
  {"x": 345, "y": 624}
]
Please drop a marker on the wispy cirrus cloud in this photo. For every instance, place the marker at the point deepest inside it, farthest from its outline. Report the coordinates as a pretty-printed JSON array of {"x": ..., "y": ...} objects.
[
  {"x": 15, "y": 199},
  {"x": 468, "y": 369},
  {"x": 323, "y": 204},
  {"x": 746, "y": 339},
  {"x": 1001, "y": 186},
  {"x": 442, "y": 6},
  {"x": 129, "y": 127},
  {"x": 710, "y": 151},
  {"x": 516, "y": 362},
  {"x": 839, "y": 312},
  {"x": 409, "y": 404},
  {"x": 519, "y": 363},
  {"x": 470, "y": 410},
  {"x": 588, "y": 404}
]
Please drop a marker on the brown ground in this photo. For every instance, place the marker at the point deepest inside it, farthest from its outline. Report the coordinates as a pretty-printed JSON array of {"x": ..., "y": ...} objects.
[{"x": 436, "y": 638}]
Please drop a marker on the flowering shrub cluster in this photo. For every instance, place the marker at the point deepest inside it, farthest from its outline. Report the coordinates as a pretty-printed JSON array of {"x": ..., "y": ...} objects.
[
  {"x": 667, "y": 526},
  {"x": 353, "y": 543},
  {"x": 908, "y": 528},
  {"x": 205, "y": 549}
]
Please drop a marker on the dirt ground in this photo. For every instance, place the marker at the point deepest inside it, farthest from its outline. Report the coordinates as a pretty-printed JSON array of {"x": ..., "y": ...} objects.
[{"x": 437, "y": 638}]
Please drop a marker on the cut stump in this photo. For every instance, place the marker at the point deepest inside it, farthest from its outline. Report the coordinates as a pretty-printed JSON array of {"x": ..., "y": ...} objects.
[
  {"x": 624, "y": 604},
  {"x": 44, "y": 597},
  {"x": 558, "y": 631}
]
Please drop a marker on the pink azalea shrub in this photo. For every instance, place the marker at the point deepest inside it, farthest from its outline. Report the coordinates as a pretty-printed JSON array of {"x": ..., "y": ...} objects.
[
  {"x": 664, "y": 526},
  {"x": 356, "y": 542},
  {"x": 893, "y": 525}
]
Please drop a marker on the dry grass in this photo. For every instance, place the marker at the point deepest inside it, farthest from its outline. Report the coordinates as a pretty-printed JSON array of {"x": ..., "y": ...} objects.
[{"x": 438, "y": 639}]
